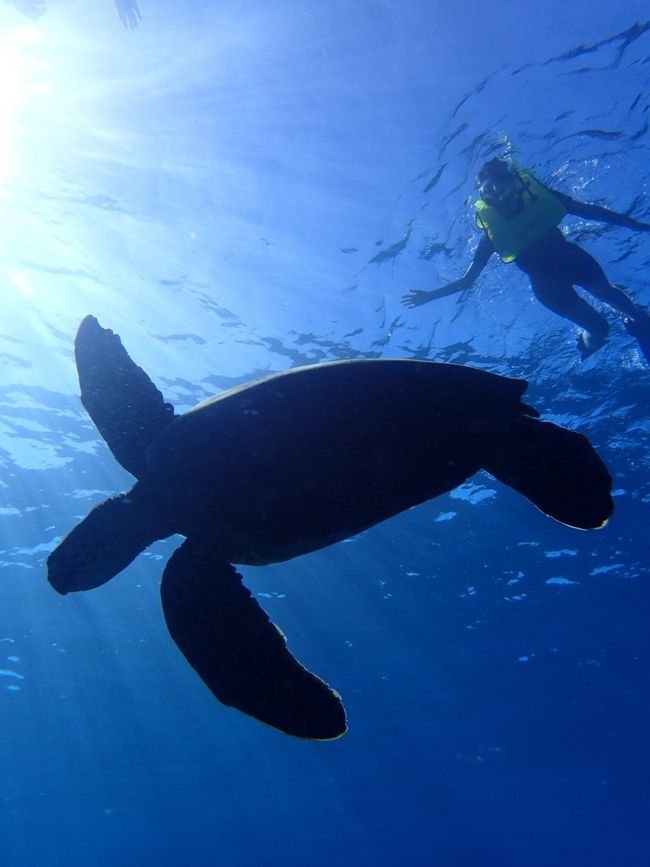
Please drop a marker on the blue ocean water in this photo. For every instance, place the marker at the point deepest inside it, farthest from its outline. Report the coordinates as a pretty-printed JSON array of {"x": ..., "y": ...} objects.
[{"x": 239, "y": 188}]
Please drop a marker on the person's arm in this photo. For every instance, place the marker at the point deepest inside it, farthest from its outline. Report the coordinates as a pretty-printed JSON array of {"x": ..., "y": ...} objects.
[
  {"x": 416, "y": 297},
  {"x": 596, "y": 212}
]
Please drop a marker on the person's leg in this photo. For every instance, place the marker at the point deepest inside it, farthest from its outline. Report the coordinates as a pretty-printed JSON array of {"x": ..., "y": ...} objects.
[
  {"x": 583, "y": 270},
  {"x": 635, "y": 318},
  {"x": 562, "y": 299},
  {"x": 639, "y": 329},
  {"x": 614, "y": 296}
]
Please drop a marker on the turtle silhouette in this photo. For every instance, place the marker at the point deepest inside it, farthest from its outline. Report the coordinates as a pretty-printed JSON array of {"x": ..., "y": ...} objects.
[{"x": 286, "y": 465}]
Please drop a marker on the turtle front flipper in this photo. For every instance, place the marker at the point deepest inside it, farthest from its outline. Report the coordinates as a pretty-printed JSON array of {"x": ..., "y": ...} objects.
[
  {"x": 125, "y": 405},
  {"x": 236, "y": 650},
  {"x": 109, "y": 538}
]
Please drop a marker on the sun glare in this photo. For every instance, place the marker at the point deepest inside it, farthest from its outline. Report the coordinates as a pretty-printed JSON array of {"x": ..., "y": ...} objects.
[
  {"x": 22, "y": 78},
  {"x": 21, "y": 282}
]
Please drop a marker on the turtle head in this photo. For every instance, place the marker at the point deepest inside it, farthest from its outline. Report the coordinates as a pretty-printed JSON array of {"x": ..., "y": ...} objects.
[{"x": 103, "y": 544}]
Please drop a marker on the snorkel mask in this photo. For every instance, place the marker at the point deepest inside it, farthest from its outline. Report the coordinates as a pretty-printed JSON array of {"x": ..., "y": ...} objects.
[
  {"x": 501, "y": 186},
  {"x": 496, "y": 181}
]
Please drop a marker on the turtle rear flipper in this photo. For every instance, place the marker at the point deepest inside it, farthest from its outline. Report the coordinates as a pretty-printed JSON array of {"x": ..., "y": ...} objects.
[
  {"x": 236, "y": 650},
  {"x": 125, "y": 405},
  {"x": 556, "y": 469}
]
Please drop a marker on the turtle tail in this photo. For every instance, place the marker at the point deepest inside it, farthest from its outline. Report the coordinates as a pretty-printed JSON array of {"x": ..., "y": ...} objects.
[
  {"x": 556, "y": 469},
  {"x": 125, "y": 405}
]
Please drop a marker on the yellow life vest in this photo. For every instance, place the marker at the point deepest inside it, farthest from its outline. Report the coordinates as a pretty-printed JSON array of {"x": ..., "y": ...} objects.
[{"x": 539, "y": 210}]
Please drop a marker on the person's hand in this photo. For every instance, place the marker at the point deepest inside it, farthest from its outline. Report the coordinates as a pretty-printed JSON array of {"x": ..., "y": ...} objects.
[
  {"x": 416, "y": 297},
  {"x": 129, "y": 13}
]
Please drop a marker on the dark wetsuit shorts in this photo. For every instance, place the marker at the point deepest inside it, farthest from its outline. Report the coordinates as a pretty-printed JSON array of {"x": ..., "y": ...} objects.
[{"x": 553, "y": 264}]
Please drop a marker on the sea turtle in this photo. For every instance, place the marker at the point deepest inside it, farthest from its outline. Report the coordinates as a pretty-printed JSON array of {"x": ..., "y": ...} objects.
[{"x": 286, "y": 465}]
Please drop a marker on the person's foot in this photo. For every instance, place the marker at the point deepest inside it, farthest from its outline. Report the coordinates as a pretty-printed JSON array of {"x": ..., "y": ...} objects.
[{"x": 590, "y": 343}]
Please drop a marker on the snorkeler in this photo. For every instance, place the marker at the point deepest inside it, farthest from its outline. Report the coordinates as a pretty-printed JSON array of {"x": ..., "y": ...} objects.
[{"x": 519, "y": 217}]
